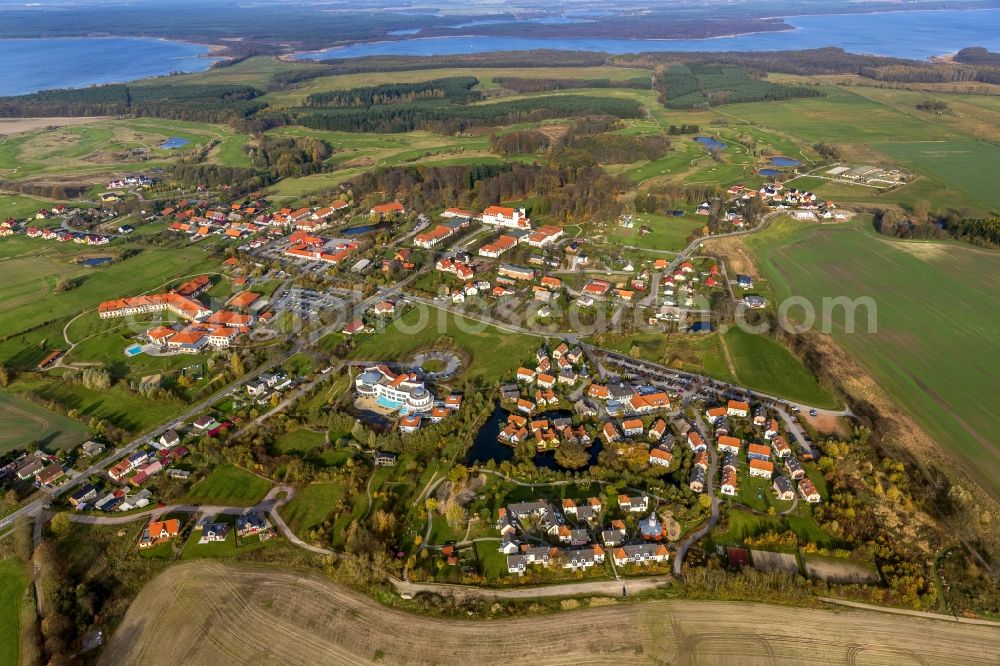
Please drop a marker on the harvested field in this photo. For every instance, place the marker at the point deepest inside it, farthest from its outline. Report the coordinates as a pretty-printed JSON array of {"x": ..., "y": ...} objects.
[
  {"x": 209, "y": 613},
  {"x": 839, "y": 571},
  {"x": 10, "y": 126},
  {"x": 768, "y": 561}
]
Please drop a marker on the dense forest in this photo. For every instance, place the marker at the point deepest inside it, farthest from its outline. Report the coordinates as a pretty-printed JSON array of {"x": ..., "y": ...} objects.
[
  {"x": 387, "y": 63},
  {"x": 447, "y": 118},
  {"x": 199, "y": 103},
  {"x": 525, "y": 85},
  {"x": 562, "y": 193},
  {"x": 523, "y": 142},
  {"x": 696, "y": 86},
  {"x": 921, "y": 224},
  {"x": 456, "y": 89},
  {"x": 273, "y": 158}
]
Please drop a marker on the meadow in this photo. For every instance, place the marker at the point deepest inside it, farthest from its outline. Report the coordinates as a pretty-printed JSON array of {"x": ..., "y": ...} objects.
[
  {"x": 14, "y": 582},
  {"x": 492, "y": 354},
  {"x": 934, "y": 350},
  {"x": 229, "y": 485},
  {"x": 34, "y": 313},
  {"x": 22, "y": 421},
  {"x": 311, "y": 505}
]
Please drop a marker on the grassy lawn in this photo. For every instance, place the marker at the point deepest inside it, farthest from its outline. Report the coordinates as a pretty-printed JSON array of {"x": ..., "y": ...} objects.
[
  {"x": 932, "y": 351},
  {"x": 968, "y": 166},
  {"x": 30, "y": 268},
  {"x": 229, "y": 485},
  {"x": 493, "y": 353},
  {"x": 666, "y": 233},
  {"x": 299, "y": 441},
  {"x": 119, "y": 406},
  {"x": 764, "y": 364},
  {"x": 13, "y": 583},
  {"x": 22, "y": 421},
  {"x": 493, "y": 563},
  {"x": 311, "y": 505}
]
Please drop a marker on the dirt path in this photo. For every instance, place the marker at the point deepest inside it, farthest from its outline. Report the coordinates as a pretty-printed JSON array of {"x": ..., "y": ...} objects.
[{"x": 207, "y": 613}]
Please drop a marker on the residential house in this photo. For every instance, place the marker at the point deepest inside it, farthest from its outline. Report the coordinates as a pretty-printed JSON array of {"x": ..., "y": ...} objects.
[
  {"x": 657, "y": 430},
  {"x": 759, "y": 451},
  {"x": 615, "y": 535},
  {"x": 808, "y": 491},
  {"x": 633, "y": 427},
  {"x": 641, "y": 554},
  {"x": 660, "y": 457},
  {"x": 610, "y": 433},
  {"x": 84, "y": 494},
  {"x": 695, "y": 441},
  {"x": 781, "y": 447},
  {"x": 783, "y": 489},
  {"x": 638, "y": 504},
  {"x": 167, "y": 440},
  {"x": 794, "y": 469},
  {"x": 159, "y": 531},
  {"x": 738, "y": 408},
  {"x": 696, "y": 480},
  {"x": 761, "y": 468},
  {"x": 214, "y": 532},
  {"x": 730, "y": 484},
  {"x": 728, "y": 443},
  {"x": 409, "y": 423}
]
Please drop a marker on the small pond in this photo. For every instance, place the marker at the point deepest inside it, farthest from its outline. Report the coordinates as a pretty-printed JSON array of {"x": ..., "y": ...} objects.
[
  {"x": 486, "y": 446},
  {"x": 771, "y": 173},
  {"x": 710, "y": 143},
  {"x": 96, "y": 261},
  {"x": 364, "y": 229},
  {"x": 174, "y": 142},
  {"x": 784, "y": 162}
]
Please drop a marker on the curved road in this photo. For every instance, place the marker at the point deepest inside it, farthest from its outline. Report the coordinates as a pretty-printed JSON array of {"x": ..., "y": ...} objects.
[{"x": 269, "y": 505}]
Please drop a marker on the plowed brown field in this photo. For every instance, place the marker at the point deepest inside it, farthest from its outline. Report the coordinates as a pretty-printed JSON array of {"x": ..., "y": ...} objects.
[{"x": 213, "y": 614}]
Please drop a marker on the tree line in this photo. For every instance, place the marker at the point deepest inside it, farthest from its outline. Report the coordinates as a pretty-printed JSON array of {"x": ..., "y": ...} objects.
[
  {"x": 457, "y": 89},
  {"x": 528, "y": 85},
  {"x": 199, "y": 103}
]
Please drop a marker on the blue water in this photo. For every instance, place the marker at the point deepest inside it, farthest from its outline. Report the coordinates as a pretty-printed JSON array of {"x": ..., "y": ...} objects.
[
  {"x": 174, "y": 142},
  {"x": 710, "y": 143},
  {"x": 96, "y": 261},
  {"x": 400, "y": 33},
  {"x": 784, "y": 162},
  {"x": 42, "y": 64},
  {"x": 906, "y": 34},
  {"x": 387, "y": 403},
  {"x": 364, "y": 229},
  {"x": 770, "y": 173},
  {"x": 486, "y": 447},
  {"x": 134, "y": 350}
]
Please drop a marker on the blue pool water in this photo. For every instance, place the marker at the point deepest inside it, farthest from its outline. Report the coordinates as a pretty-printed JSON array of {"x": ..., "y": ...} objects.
[
  {"x": 174, "y": 142},
  {"x": 383, "y": 401},
  {"x": 710, "y": 143},
  {"x": 784, "y": 162},
  {"x": 134, "y": 350}
]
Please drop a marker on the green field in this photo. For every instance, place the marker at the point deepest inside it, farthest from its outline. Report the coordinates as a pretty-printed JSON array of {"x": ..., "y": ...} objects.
[
  {"x": 968, "y": 166},
  {"x": 118, "y": 406},
  {"x": 311, "y": 505},
  {"x": 935, "y": 347},
  {"x": 666, "y": 233},
  {"x": 30, "y": 267},
  {"x": 492, "y": 353},
  {"x": 299, "y": 441},
  {"x": 22, "y": 421},
  {"x": 764, "y": 364},
  {"x": 229, "y": 485},
  {"x": 14, "y": 582}
]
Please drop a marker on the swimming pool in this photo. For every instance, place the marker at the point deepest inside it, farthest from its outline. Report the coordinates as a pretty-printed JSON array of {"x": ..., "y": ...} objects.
[
  {"x": 134, "y": 350},
  {"x": 383, "y": 401}
]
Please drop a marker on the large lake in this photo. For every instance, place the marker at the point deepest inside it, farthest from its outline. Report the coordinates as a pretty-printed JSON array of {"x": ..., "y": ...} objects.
[
  {"x": 40, "y": 64},
  {"x": 916, "y": 35}
]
